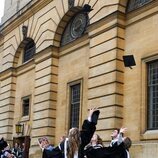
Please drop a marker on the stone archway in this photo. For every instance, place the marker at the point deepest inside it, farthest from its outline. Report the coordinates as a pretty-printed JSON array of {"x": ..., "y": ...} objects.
[
  {"x": 63, "y": 23},
  {"x": 19, "y": 53}
]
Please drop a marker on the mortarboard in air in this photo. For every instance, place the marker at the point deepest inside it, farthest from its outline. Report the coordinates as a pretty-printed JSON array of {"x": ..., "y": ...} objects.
[{"x": 129, "y": 61}]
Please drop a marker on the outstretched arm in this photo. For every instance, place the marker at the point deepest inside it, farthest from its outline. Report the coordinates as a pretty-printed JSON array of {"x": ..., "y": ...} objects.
[
  {"x": 120, "y": 135},
  {"x": 88, "y": 129}
]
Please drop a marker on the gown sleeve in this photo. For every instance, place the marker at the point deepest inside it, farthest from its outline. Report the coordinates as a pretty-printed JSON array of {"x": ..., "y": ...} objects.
[{"x": 88, "y": 129}]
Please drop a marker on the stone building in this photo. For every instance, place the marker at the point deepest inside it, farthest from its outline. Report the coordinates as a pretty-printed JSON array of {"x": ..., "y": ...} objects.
[{"x": 58, "y": 58}]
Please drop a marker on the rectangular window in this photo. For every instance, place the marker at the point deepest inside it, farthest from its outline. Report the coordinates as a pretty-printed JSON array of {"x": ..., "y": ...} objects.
[
  {"x": 25, "y": 106},
  {"x": 75, "y": 105},
  {"x": 152, "y": 108}
]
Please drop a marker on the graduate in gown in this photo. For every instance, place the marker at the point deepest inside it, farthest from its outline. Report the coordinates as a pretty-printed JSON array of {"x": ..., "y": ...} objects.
[
  {"x": 120, "y": 151},
  {"x": 3, "y": 145},
  {"x": 73, "y": 146}
]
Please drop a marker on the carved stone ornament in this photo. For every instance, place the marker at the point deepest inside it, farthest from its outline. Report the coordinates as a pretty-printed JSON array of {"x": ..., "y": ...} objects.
[
  {"x": 78, "y": 25},
  {"x": 75, "y": 28},
  {"x": 24, "y": 31},
  {"x": 71, "y": 3}
]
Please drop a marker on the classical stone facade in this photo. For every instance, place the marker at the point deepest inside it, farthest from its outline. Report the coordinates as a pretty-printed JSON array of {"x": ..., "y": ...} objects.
[{"x": 87, "y": 50}]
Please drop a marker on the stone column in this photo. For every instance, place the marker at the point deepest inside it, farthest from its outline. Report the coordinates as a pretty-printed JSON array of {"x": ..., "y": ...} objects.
[
  {"x": 45, "y": 97},
  {"x": 7, "y": 101}
]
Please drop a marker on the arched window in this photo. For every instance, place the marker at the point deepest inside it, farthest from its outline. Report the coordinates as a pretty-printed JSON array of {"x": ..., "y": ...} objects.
[
  {"x": 29, "y": 50},
  {"x": 77, "y": 25},
  {"x": 75, "y": 28},
  {"x": 135, "y": 4}
]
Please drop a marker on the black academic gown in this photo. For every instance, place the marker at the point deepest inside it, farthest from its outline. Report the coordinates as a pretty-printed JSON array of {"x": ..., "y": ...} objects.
[
  {"x": 107, "y": 152},
  {"x": 55, "y": 153},
  {"x": 88, "y": 129}
]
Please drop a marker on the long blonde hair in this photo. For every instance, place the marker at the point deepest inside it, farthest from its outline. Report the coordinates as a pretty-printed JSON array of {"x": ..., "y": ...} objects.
[{"x": 73, "y": 142}]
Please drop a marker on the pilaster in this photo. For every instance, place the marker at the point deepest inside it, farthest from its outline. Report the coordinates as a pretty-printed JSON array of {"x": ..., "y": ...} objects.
[
  {"x": 7, "y": 102},
  {"x": 105, "y": 85},
  {"x": 45, "y": 98}
]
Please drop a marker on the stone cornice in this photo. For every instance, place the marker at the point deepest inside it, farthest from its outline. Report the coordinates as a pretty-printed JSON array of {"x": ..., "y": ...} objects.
[
  {"x": 7, "y": 73},
  {"x": 23, "y": 14},
  {"x": 117, "y": 15},
  {"x": 49, "y": 52}
]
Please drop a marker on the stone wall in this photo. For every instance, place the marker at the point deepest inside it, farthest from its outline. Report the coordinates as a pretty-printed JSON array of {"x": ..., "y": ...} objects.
[{"x": 94, "y": 60}]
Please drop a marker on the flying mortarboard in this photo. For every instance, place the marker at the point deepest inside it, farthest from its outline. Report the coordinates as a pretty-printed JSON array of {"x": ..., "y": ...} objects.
[{"x": 129, "y": 61}]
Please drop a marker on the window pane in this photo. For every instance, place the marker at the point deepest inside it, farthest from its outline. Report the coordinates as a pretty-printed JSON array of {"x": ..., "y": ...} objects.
[
  {"x": 29, "y": 51},
  {"x": 26, "y": 107},
  {"x": 75, "y": 105},
  {"x": 152, "y": 95}
]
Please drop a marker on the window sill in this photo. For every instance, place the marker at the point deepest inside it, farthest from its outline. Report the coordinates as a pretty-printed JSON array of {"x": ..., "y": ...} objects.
[
  {"x": 25, "y": 118},
  {"x": 150, "y": 134}
]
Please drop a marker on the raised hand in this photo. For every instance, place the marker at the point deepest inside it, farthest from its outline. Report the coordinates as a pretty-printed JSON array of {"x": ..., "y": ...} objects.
[{"x": 123, "y": 130}]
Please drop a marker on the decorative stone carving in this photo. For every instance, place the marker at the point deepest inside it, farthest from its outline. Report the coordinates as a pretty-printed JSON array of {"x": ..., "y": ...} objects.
[
  {"x": 78, "y": 25},
  {"x": 71, "y": 3},
  {"x": 24, "y": 31},
  {"x": 75, "y": 28}
]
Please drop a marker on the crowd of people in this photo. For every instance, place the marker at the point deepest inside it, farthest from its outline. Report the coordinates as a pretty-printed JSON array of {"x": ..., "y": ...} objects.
[
  {"x": 78, "y": 144},
  {"x": 88, "y": 144},
  {"x": 7, "y": 152}
]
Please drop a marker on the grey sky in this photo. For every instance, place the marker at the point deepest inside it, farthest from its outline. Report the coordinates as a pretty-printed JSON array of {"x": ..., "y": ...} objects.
[{"x": 1, "y": 8}]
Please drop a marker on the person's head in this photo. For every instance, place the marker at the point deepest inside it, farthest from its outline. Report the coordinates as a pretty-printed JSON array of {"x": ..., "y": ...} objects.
[
  {"x": 74, "y": 133},
  {"x": 96, "y": 139},
  {"x": 3, "y": 144},
  {"x": 44, "y": 141},
  {"x": 23, "y": 145},
  {"x": 127, "y": 142},
  {"x": 74, "y": 141},
  {"x": 115, "y": 133},
  {"x": 16, "y": 145}
]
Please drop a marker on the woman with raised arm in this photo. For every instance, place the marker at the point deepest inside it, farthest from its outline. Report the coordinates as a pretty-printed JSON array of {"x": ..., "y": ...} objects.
[
  {"x": 73, "y": 145},
  {"x": 119, "y": 149}
]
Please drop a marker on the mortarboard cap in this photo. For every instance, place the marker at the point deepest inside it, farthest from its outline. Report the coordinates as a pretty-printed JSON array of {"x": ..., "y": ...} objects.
[{"x": 129, "y": 61}]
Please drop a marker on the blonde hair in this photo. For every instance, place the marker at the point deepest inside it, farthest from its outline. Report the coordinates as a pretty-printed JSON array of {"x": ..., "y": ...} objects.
[{"x": 73, "y": 142}]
